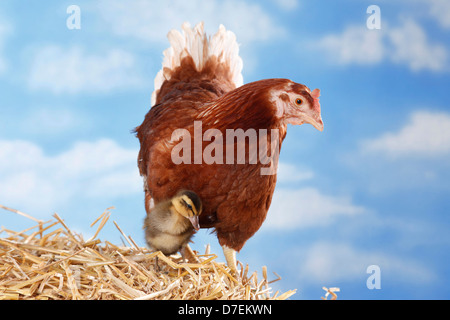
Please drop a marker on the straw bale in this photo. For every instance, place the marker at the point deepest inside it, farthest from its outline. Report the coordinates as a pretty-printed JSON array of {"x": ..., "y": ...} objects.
[{"x": 50, "y": 261}]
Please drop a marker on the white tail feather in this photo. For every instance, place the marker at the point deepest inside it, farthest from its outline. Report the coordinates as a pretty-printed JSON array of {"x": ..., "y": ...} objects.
[{"x": 194, "y": 43}]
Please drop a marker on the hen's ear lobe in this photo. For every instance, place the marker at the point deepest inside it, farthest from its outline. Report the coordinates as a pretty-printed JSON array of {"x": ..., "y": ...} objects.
[
  {"x": 284, "y": 97},
  {"x": 280, "y": 102}
]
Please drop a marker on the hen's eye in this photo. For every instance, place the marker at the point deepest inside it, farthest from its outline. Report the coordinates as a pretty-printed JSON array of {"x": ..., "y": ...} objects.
[{"x": 299, "y": 101}]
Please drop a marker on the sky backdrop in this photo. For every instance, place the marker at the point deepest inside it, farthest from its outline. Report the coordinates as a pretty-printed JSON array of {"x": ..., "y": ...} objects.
[{"x": 372, "y": 189}]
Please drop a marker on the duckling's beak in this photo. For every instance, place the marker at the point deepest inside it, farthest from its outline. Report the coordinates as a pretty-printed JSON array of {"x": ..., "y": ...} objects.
[{"x": 195, "y": 222}]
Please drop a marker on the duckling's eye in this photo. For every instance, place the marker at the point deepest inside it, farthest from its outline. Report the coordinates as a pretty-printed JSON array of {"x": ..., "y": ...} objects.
[
  {"x": 186, "y": 204},
  {"x": 298, "y": 101}
]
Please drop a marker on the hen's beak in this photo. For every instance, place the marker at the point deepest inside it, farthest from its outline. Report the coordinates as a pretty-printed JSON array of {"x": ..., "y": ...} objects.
[
  {"x": 315, "y": 121},
  {"x": 195, "y": 222},
  {"x": 318, "y": 124}
]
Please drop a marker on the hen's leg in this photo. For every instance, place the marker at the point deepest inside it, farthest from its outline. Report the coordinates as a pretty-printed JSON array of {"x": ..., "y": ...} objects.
[{"x": 230, "y": 256}]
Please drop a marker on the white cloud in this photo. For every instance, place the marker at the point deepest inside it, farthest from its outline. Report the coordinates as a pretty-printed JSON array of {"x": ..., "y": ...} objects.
[
  {"x": 306, "y": 207},
  {"x": 32, "y": 180},
  {"x": 440, "y": 10},
  {"x": 411, "y": 46},
  {"x": 151, "y": 21},
  {"x": 356, "y": 44},
  {"x": 333, "y": 262},
  {"x": 290, "y": 173},
  {"x": 427, "y": 134},
  {"x": 72, "y": 70},
  {"x": 405, "y": 44},
  {"x": 287, "y": 4}
]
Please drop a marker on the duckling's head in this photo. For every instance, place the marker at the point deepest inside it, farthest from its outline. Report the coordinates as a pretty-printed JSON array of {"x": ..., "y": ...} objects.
[{"x": 188, "y": 204}]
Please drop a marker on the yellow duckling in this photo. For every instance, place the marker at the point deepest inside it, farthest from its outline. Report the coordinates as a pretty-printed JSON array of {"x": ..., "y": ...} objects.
[{"x": 170, "y": 224}]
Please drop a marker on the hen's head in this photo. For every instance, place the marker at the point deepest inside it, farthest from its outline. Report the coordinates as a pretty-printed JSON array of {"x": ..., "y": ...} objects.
[{"x": 297, "y": 104}]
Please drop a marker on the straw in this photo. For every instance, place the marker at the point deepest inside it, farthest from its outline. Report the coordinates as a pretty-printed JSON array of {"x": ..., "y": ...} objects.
[{"x": 50, "y": 261}]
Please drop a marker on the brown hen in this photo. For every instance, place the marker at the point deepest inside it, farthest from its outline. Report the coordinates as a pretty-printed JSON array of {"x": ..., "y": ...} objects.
[{"x": 208, "y": 133}]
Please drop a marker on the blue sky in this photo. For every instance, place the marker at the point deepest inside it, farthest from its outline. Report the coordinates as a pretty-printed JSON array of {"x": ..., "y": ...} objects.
[{"x": 371, "y": 189}]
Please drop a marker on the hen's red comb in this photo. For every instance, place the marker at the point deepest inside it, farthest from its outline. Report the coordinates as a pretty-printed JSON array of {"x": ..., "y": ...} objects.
[{"x": 315, "y": 93}]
